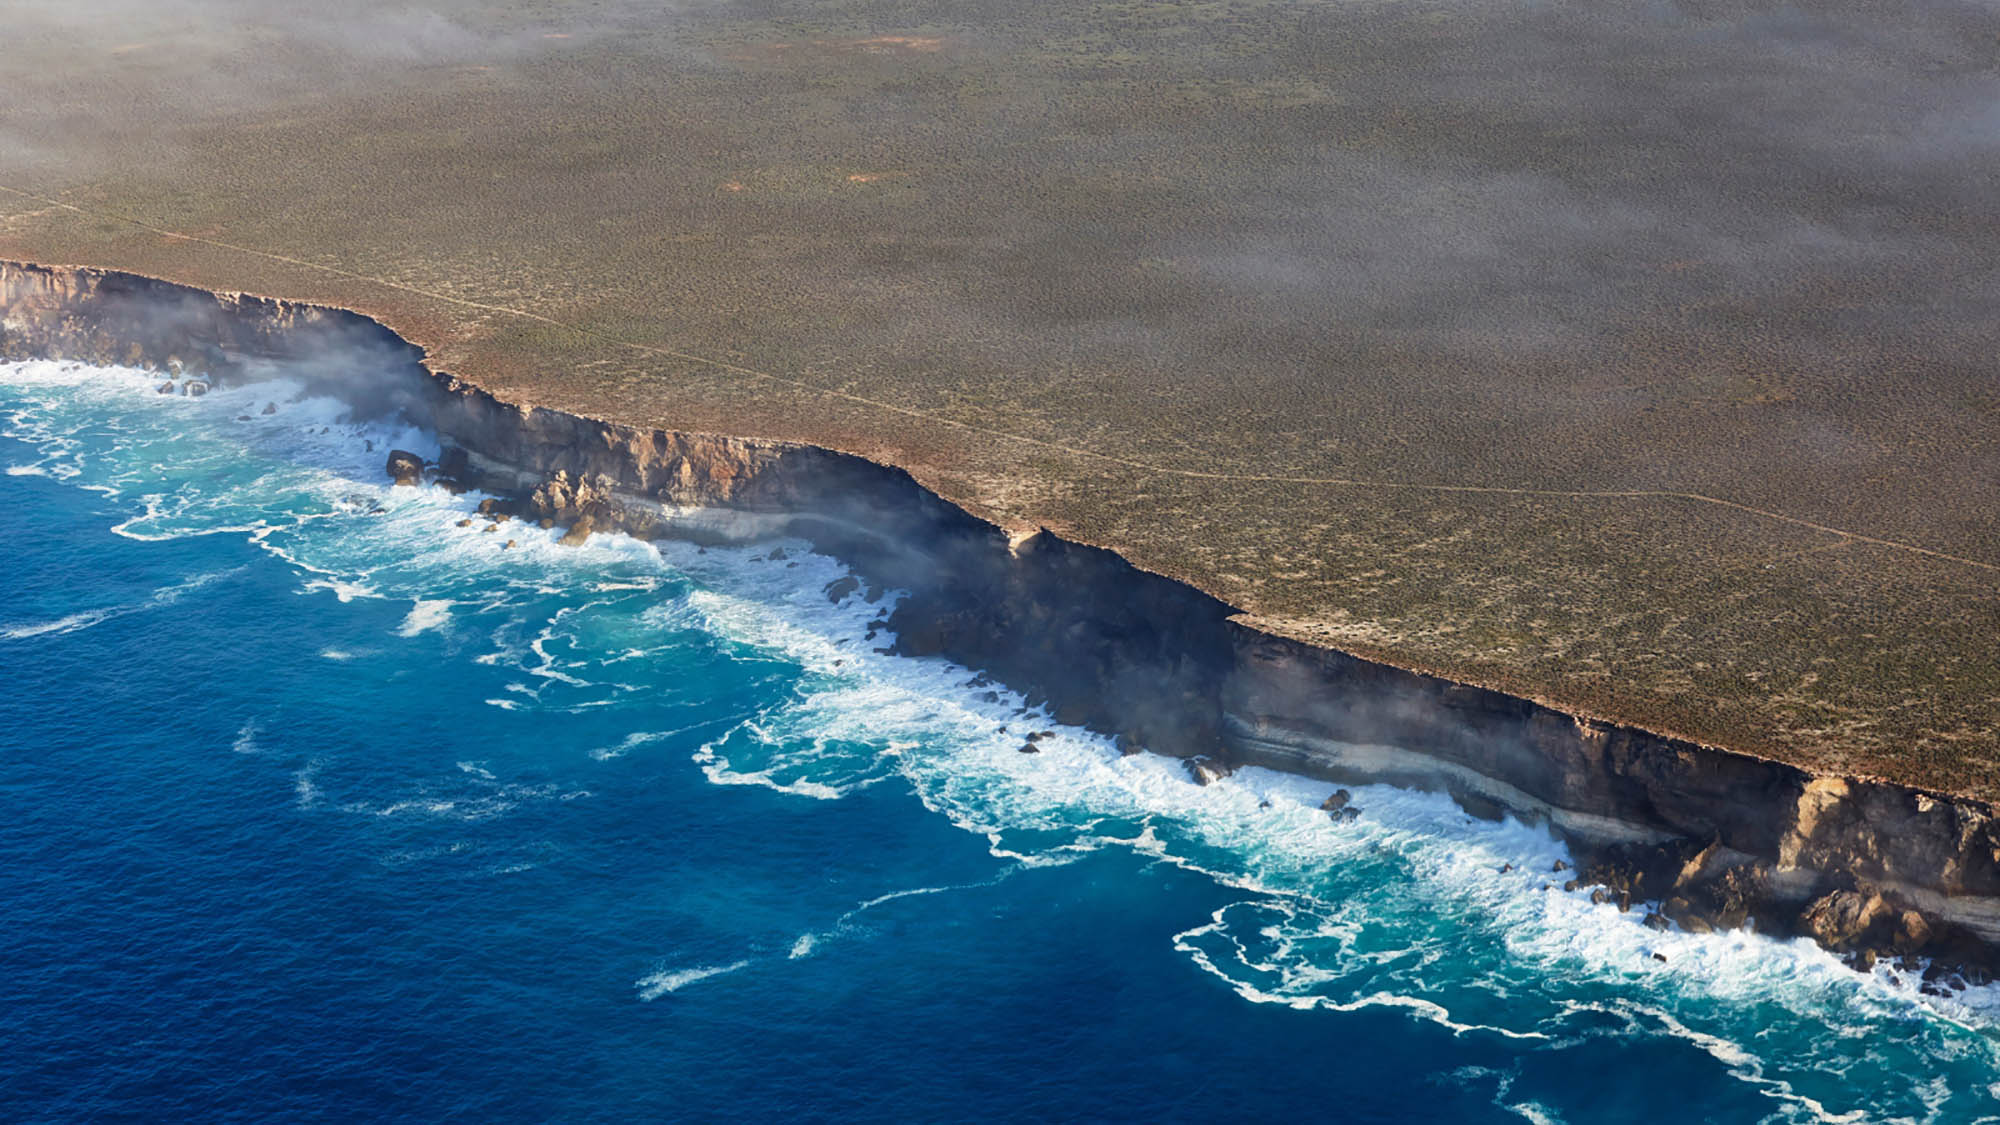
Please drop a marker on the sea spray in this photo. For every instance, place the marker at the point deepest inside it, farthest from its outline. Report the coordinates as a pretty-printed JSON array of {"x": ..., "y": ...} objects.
[{"x": 666, "y": 667}]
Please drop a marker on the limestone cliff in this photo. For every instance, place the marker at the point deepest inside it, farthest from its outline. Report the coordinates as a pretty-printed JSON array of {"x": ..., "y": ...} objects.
[{"x": 1714, "y": 837}]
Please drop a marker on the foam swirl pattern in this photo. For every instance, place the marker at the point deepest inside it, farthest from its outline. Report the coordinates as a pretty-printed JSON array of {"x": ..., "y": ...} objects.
[{"x": 327, "y": 800}]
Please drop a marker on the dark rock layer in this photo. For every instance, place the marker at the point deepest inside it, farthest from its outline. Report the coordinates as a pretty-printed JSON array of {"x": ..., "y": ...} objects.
[{"x": 1716, "y": 838}]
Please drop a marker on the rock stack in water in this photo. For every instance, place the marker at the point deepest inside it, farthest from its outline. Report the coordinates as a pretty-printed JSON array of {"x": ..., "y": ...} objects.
[
  {"x": 405, "y": 468},
  {"x": 1704, "y": 888},
  {"x": 1204, "y": 770}
]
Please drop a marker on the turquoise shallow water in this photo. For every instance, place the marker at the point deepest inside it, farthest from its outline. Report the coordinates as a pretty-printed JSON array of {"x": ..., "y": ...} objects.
[{"x": 317, "y": 805}]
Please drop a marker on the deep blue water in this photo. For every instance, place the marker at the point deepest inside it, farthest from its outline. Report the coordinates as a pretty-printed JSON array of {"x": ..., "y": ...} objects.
[{"x": 310, "y": 811}]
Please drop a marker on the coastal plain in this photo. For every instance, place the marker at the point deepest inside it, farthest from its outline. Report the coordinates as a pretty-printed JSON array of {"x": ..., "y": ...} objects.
[{"x": 1638, "y": 360}]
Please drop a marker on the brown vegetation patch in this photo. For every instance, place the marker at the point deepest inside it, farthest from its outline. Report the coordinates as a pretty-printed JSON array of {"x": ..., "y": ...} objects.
[{"x": 1427, "y": 338}]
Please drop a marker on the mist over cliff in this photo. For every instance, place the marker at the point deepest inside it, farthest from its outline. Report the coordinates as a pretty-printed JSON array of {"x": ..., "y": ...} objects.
[{"x": 1714, "y": 837}]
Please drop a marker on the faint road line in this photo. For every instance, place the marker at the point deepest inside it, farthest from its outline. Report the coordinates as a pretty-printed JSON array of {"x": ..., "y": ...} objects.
[{"x": 862, "y": 400}]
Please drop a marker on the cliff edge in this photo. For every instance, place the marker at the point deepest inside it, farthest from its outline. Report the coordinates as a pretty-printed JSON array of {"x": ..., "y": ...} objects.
[{"x": 1697, "y": 835}]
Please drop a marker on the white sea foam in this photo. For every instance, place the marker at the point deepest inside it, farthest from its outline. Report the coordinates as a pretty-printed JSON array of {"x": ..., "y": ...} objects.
[
  {"x": 630, "y": 743},
  {"x": 806, "y": 944},
  {"x": 165, "y": 595},
  {"x": 1409, "y": 907},
  {"x": 475, "y": 795},
  {"x": 718, "y": 771},
  {"x": 656, "y": 985},
  {"x": 407, "y": 856},
  {"x": 304, "y": 788},
  {"x": 425, "y": 616},
  {"x": 430, "y": 806},
  {"x": 345, "y": 591},
  {"x": 61, "y": 625},
  {"x": 1415, "y": 906},
  {"x": 642, "y": 738}
]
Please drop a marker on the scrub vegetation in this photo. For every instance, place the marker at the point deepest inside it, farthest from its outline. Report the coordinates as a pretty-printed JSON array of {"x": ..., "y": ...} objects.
[{"x": 1637, "y": 357}]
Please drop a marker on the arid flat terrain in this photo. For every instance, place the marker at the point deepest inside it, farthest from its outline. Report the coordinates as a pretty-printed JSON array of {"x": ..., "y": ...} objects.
[{"x": 1637, "y": 357}]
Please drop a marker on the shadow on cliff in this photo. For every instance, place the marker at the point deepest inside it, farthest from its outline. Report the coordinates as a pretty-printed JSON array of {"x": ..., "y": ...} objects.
[{"x": 1716, "y": 838}]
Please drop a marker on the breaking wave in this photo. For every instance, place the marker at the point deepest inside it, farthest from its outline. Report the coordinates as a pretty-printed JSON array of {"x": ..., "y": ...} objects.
[{"x": 1413, "y": 908}]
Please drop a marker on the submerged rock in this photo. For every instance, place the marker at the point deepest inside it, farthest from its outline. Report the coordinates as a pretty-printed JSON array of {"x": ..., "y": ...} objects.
[
  {"x": 269, "y": 408},
  {"x": 840, "y": 589}
]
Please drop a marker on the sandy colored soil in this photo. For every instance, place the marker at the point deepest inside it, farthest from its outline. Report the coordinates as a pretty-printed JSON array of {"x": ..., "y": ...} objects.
[{"x": 1639, "y": 360}]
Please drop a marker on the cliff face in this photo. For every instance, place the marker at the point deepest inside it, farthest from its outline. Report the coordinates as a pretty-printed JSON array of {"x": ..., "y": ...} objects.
[{"x": 1717, "y": 838}]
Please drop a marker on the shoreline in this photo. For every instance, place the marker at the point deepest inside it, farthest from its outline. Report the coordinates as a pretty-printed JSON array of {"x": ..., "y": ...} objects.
[{"x": 1717, "y": 838}]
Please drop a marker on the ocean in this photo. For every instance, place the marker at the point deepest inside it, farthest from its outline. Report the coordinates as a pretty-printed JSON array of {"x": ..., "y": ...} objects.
[{"x": 315, "y": 804}]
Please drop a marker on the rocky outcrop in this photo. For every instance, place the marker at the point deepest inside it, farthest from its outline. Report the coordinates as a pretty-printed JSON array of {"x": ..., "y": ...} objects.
[
  {"x": 1714, "y": 838},
  {"x": 405, "y": 468},
  {"x": 1204, "y": 770}
]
